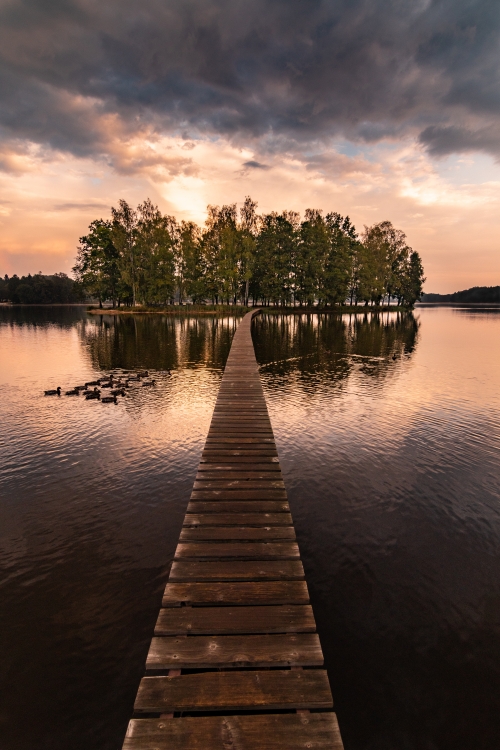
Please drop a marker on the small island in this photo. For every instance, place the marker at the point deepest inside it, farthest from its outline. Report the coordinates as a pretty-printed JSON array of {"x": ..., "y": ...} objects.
[{"x": 140, "y": 260}]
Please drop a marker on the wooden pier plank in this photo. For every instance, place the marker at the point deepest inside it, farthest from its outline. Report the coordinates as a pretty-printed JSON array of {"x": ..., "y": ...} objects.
[
  {"x": 237, "y": 550},
  {"x": 245, "y": 732},
  {"x": 223, "y": 466},
  {"x": 233, "y": 651},
  {"x": 228, "y": 593},
  {"x": 236, "y": 457},
  {"x": 236, "y": 570},
  {"x": 244, "y": 506},
  {"x": 233, "y": 533},
  {"x": 235, "y": 691},
  {"x": 238, "y": 519},
  {"x": 235, "y": 620},
  {"x": 239, "y": 494}
]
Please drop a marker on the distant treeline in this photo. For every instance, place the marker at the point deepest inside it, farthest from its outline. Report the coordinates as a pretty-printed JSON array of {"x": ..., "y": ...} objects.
[
  {"x": 140, "y": 256},
  {"x": 475, "y": 294},
  {"x": 40, "y": 289}
]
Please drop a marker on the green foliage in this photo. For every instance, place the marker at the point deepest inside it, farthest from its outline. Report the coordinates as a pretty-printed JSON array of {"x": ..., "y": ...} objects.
[
  {"x": 97, "y": 266},
  {"x": 142, "y": 257},
  {"x": 39, "y": 289}
]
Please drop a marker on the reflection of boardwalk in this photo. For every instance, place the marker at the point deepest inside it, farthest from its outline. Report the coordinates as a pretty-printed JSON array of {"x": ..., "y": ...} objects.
[{"x": 235, "y": 663}]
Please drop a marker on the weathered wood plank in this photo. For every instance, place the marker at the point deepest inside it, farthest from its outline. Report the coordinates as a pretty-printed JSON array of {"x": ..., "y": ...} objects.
[
  {"x": 242, "y": 435},
  {"x": 244, "y": 593},
  {"x": 241, "y": 476},
  {"x": 269, "y": 467},
  {"x": 235, "y": 417},
  {"x": 226, "y": 425},
  {"x": 295, "y": 618},
  {"x": 234, "y": 533},
  {"x": 259, "y": 520},
  {"x": 243, "y": 506},
  {"x": 235, "y": 570},
  {"x": 230, "y": 651},
  {"x": 240, "y": 426},
  {"x": 237, "y": 550},
  {"x": 239, "y": 484},
  {"x": 239, "y": 442},
  {"x": 244, "y": 454},
  {"x": 226, "y": 417},
  {"x": 257, "y": 494},
  {"x": 245, "y": 732},
  {"x": 233, "y": 691}
]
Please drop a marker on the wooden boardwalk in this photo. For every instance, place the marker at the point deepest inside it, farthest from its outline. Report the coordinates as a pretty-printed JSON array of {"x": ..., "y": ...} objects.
[{"x": 236, "y": 663}]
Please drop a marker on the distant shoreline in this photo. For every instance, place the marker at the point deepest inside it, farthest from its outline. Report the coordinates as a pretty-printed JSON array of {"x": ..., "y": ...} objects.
[{"x": 457, "y": 304}]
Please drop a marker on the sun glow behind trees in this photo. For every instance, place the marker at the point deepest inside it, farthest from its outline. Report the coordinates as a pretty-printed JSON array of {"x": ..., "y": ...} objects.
[{"x": 142, "y": 256}]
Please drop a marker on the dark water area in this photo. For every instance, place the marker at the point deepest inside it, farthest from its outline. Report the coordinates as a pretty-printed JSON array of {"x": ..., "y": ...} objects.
[{"x": 388, "y": 429}]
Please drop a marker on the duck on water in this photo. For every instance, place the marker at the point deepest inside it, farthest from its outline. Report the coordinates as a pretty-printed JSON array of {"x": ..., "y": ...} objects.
[
  {"x": 108, "y": 400},
  {"x": 112, "y": 382}
]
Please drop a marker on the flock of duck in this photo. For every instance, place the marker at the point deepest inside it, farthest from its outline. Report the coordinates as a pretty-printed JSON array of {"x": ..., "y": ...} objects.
[{"x": 117, "y": 387}]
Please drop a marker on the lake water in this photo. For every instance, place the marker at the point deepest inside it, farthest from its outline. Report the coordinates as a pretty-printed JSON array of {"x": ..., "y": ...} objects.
[{"x": 388, "y": 429}]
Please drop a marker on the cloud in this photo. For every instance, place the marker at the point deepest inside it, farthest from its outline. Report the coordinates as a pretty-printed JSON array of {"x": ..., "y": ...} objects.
[
  {"x": 442, "y": 140},
  {"x": 82, "y": 77},
  {"x": 75, "y": 206},
  {"x": 252, "y": 164}
]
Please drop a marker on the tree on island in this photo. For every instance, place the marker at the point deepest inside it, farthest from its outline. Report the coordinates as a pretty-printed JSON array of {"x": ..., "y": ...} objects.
[{"x": 142, "y": 256}]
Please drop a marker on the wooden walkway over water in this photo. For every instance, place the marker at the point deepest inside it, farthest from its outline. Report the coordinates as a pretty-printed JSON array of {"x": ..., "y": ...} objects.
[{"x": 236, "y": 663}]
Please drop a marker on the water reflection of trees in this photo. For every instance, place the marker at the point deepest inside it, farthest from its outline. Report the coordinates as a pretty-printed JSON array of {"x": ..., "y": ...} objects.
[
  {"x": 41, "y": 316},
  {"x": 334, "y": 346},
  {"x": 157, "y": 342}
]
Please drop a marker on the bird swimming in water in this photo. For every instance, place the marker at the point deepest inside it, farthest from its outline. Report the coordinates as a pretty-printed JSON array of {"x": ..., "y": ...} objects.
[
  {"x": 74, "y": 392},
  {"x": 149, "y": 382},
  {"x": 108, "y": 400},
  {"x": 96, "y": 393},
  {"x": 54, "y": 392},
  {"x": 118, "y": 392}
]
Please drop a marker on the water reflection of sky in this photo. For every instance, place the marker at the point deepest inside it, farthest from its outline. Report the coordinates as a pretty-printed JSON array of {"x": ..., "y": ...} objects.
[{"x": 388, "y": 429}]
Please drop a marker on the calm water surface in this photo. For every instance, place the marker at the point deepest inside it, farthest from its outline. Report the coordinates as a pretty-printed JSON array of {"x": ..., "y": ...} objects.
[{"x": 389, "y": 434}]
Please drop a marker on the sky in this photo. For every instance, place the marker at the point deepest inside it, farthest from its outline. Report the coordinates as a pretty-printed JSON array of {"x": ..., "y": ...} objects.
[{"x": 378, "y": 109}]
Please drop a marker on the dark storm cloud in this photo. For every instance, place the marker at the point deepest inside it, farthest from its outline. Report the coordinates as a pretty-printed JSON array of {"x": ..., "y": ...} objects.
[{"x": 304, "y": 70}]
